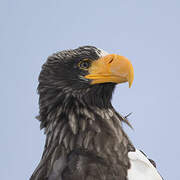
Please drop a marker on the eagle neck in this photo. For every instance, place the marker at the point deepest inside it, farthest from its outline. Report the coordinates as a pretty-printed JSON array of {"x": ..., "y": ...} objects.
[{"x": 76, "y": 125}]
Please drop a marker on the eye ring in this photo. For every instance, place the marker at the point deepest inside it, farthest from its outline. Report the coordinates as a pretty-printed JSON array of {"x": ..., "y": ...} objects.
[{"x": 84, "y": 64}]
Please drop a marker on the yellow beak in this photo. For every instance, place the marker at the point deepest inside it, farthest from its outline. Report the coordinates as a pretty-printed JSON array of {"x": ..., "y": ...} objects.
[{"x": 111, "y": 68}]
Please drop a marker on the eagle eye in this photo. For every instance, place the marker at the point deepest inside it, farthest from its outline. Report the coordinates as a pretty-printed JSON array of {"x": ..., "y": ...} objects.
[{"x": 84, "y": 64}]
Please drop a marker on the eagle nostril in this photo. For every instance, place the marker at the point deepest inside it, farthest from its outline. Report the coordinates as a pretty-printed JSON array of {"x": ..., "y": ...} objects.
[{"x": 110, "y": 61}]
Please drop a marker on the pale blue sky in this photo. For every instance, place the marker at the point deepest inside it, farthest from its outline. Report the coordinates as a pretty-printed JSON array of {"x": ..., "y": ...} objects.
[{"x": 147, "y": 32}]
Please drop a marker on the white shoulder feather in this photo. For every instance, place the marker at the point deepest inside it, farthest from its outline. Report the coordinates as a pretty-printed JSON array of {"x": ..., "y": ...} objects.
[{"x": 141, "y": 168}]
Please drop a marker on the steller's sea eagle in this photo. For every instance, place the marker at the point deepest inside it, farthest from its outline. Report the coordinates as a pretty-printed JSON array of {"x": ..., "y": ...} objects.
[{"x": 84, "y": 135}]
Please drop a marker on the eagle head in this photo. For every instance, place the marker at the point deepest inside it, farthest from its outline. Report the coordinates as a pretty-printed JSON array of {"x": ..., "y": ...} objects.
[{"x": 87, "y": 73}]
